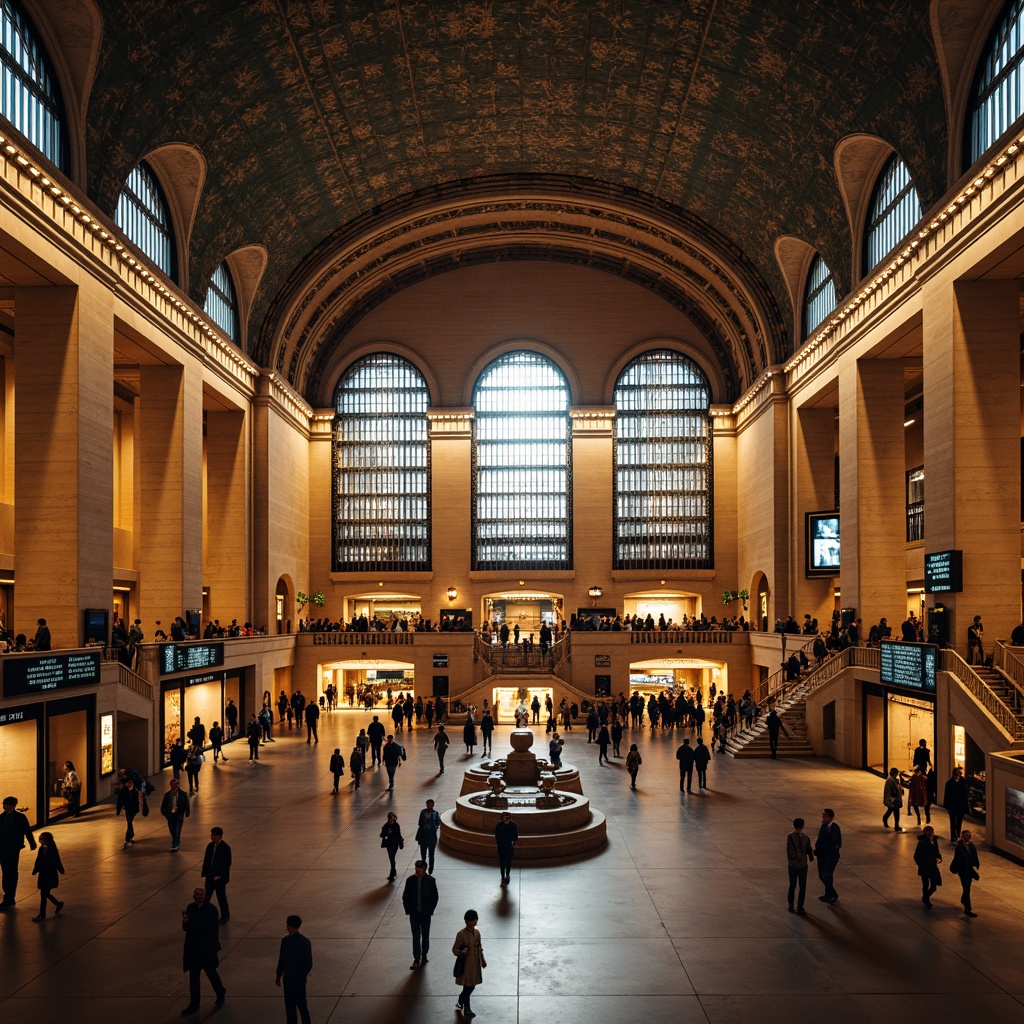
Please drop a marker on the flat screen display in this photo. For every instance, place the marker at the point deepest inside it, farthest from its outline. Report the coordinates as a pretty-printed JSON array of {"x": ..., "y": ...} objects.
[
  {"x": 188, "y": 657},
  {"x": 822, "y": 543},
  {"x": 908, "y": 665},
  {"x": 943, "y": 572},
  {"x": 28, "y": 674}
]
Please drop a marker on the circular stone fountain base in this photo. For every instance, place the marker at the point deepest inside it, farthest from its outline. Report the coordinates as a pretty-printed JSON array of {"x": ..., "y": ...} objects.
[{"x": 475, "y": 778}]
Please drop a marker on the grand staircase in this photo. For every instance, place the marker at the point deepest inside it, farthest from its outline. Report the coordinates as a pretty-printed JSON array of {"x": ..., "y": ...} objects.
[{"x": 793, "y": 742}]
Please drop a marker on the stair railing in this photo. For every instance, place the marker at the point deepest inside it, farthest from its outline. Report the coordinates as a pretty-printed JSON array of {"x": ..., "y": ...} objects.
[{"x": 954, "y": 664}]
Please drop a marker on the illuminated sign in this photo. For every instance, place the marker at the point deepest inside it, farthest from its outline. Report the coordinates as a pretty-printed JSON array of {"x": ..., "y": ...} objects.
[
  {"x": 35, "y": 674},
  {"x": 908, "y": 665},
  {"x": 190, "y": 657},
  {"x": 106, "y": 744},
  {"x": 943, "y": 572}
]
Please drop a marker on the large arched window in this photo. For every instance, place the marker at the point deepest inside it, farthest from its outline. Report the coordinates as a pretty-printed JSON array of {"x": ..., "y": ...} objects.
[
  {"x": 221, "y": 304},
  {"x": 997, "y": 99},
  {"x": 895, "y": 209},
  {"x": 819, "y": 296},
  {"x": 29, "y": 97},
  {"x": 521, "y": 465},
  {"x": 143, "y": 215},
  {"x": 381, "y": 467},
  {"x": 663, "y": 471}
]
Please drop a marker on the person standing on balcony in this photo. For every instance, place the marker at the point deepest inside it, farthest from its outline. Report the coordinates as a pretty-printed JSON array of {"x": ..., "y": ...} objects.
[{"x": 975, "y": 642}]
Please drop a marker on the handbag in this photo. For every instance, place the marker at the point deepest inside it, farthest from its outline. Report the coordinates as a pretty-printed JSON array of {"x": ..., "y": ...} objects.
[{"x": 460, "y": 966}]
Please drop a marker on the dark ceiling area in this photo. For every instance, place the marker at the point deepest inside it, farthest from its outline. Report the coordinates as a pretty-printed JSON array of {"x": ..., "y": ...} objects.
[{"x": 311, "y": 114}]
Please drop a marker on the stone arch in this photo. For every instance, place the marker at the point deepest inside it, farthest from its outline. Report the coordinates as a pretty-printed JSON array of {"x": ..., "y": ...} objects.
[
  {"x": 709, "y": 369},
  {"x": 343, "y": 360},
  {"x": 761, "y": 601},
  {"x": 285, "y": 588},
  {"x": 247, "y": 265},
  {"x": 520, "y": 345}
]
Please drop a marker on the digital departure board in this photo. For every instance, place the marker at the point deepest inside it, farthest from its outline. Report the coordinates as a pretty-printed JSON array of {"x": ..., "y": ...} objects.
[
  {"x": 909, "y": 665},
  {"x": 36, "y": 674},
  {"x": 189, "y": 657},
  {"x": 943, "y": 572}
]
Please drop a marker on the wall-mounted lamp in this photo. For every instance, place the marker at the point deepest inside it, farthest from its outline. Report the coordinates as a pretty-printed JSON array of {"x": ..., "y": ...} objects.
[
  {"x": 452, "y": 593},
  {"x": 522, "y": 583},
  {"x": 381, "y": 583},
  {"x": 595, "y": 593}
]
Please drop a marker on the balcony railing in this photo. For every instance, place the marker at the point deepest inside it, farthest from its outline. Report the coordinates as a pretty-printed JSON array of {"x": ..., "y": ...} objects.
[
  {"x": 682, "y": 636},
  {"x": 523, "y": 657}
]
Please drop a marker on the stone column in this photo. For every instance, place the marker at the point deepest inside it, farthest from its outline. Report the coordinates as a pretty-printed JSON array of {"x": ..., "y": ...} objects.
[
  {"x": 872, "y": 491},
  {"x": 228, "y": 530},
  {"x": 813, "y": 491},
  {"x": 63, "y": 480},
  {"x": 170, "y": 443},
  {"x": 451, "y": 503},
  {"x": 593, "y": 434},
  {"x": 972, "y": 448}
]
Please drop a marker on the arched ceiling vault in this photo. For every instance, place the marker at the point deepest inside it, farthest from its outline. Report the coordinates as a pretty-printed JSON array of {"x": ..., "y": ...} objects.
[{"x": 569, "y": 222}]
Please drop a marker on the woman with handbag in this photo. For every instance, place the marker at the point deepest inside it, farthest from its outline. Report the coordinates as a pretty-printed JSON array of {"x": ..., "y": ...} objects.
[
  {"x": 469, "y": 961},
  {"x": 193, "y": 764},
  {"x": 72, "y": 789},
  {"x": 392, "y": 841}
]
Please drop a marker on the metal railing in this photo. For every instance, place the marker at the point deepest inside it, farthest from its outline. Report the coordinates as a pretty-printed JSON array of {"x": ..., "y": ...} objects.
[
  {"x": 377, "y": 639},
  {"x": 1007, "y": 659},
  {"x": 951, "y": 662},
  {"x": 522, "y": 657},
  {"x": 775, "y": 688},
  {"x": 134, "y": 682},
  {"x": 682, "y": 636}
]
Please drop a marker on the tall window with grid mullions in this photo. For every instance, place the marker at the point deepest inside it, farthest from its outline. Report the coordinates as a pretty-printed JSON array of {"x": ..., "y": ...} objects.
[
  {"x": 521, "y": 465},
  {"x": 381, "y": 467},
  {"x": 997, "y": 100},
  {"x": 663, "y": 515},
  {"x": 143, "y": 215}
]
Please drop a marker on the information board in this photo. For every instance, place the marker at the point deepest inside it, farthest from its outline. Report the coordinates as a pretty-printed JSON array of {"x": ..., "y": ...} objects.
[
  {"x": 909, "y": 665},
  {"x": 27, "y": 674},
  {"x": 943, "y": 572},
  {"x": 440, "y": 661},
  {"x": 190, "y": 657}
]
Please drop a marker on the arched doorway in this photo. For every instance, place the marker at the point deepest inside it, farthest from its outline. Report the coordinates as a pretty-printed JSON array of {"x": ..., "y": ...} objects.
[
  {"x": 761, "y": 594},
  {"x": 284, "y": 602}
]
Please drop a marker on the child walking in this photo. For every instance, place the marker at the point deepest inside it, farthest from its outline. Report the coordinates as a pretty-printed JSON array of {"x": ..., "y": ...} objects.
[{"x": 49, "y": 869}]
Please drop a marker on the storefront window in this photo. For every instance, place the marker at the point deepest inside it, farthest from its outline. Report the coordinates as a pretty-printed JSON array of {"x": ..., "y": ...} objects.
[
  {"x": 172, "y": 718},
  {"x": 66, "y": 741},
  {"x": 19, "y": 759}
]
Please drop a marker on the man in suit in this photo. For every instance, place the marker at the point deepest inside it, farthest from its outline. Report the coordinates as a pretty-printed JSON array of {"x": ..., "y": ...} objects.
[
  {"x": 202, "y": 944},
  {"x": 294, "y": 962},
  {"x": 826, "y": 850},
  {"x": 14, "y": 830},
  {"x": 375, "y": 730},
  {"x": 684, "y": 755},
  {"x": 419, "y": 898},
  {"x": 217, "y": 870},
  {"x": 175, "y": 807}
]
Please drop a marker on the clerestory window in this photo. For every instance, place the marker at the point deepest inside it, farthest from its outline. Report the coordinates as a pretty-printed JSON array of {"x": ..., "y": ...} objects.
[
  {"x": 221, "y": 304},
  {"x": 895, "y": 210},
  {"x": 819, "y": 296},
  {"x": 997, "y": 100},
  {"x": 143, "y": 215}
]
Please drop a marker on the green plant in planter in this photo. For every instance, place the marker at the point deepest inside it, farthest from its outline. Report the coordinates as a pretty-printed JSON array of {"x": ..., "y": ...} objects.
[
  {"x": 727, "y": 597},
  {"x": 744, "y": 596},
  {"x": 318, "y": 599},
  {"x": 301, "y": 600}
]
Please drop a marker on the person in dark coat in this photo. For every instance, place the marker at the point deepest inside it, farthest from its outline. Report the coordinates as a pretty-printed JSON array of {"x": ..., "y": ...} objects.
[
  {"x": 357, "y": 764},
  {"x": 469, "y": 733},
  {"x": 684, "y": 755},
  {"x": 486, "y": 729},
  {"x": 506, "y": 837},
  {"x": 129, "y": 800},
  {"x": 603, "y": 739},
  {"x": 294, "y": 962},
  {"x": 42, "y": 637},
  {"x": 419, "y": 900},
  {"x": 337, "y": 767},
  {"x": 928, "y": 858},
  {"x": 826, "y": 850},
  {"x": 312, "y": 715},
  {"x": 774, "y": 724},
  {"x": 253, "y": 734},
  {"x": 954, "y": 799},
  {"x": 14, "y": 830},
  {"x": 202, "y": 944},
  {"x": 965, "y": 865},
  {"x": 701, "y": 760},
  {"x": 48, "y": 869},
  {"x": 175, "y": 807},
  {"x": 217, "y": 870},
  {"x": 392, "y": 841},
  {"x": 616, "y": 736}
]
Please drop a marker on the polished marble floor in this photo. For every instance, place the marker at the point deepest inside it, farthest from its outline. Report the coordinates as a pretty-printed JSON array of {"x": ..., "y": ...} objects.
[{"x": 681, "y": 918}]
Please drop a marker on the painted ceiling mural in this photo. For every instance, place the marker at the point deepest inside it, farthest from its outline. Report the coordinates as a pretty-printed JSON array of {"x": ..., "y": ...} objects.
[{"x": 311, "y": 114}]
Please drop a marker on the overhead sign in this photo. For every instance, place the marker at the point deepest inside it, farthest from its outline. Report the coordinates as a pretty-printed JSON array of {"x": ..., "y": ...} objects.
[
  {"x": 32, "y": 675},
  {"x": 440, "y": 661},
  {"x": 190, "y": 657},
  {"x": 909, "y": 665},
  {"x": 943, "y": 572}
]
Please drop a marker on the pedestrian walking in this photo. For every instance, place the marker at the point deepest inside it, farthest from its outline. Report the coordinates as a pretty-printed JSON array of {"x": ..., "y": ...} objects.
[
  {"x": 469, "y": 733},
  {"x": 426, "y": 834},
  {"x": 701, "y": 760},
  {"x": 774, "y": 725},
  {"x": 603, "y": 739},
  {"x": 826, "y": 850},
  {"x": 892, "y": 797},
  {"x": 486, "y": 729},
  {"x": 375, "y": 732},
  {"x": 336, "y": 768},
  {"x": 312, "y": 716},
  {"x": 294, "y": 962},
  {"x": 798, "y": 853},
  {"x": 470, "y": 963},
  {"x": 175, "y": 807},
  {"x": 357, "y": 764},
  {"x": 392, "y": 841},
  {"x": 928, "y": 858},
  {"x": 253, "y": 732},
  {"x": 129, "y": 800},
  {"x": 217, "y": 870},
  {"x": 918, "y": 795},
  {"x": 200, "y": 953},
  {"x": 686, "y": 757},
  {"x": 440, "y": 747},
  {"x": 506, "y": 838},
  {"x": 965, "y": 865},
  {"x": 393, "y": 755},
  {"x": 216, "y": 742},
  {"x": 177, "y": 756},
  {"x": 419, "y": 900},
  {"x": 48, "y": 869},
  {"x": 193, "y": 765},
  {"x": 14, "y": 831},
  {"x": 633, "y": 762},
  {"x": 955, "y": 799},
  {"x": 555, "y": 750}
]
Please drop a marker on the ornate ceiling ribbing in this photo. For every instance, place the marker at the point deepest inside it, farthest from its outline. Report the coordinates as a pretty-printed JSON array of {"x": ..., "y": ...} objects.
[{"x": 312, "y": 114}]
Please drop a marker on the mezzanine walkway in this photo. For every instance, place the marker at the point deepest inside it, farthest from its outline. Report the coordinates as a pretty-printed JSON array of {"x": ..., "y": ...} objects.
[{"x": 680, "y": 919}]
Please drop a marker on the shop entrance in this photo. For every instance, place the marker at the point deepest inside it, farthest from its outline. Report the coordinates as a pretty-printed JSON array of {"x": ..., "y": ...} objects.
[
  {"x": 893, "y": 724},
  {"x": 66, "y": 741},
  {"x": 365, "y": 682},
  {"x": 505, "y": 700},
  {"x": 677, "y": 675},
  {"x": 527, "y": 611}
]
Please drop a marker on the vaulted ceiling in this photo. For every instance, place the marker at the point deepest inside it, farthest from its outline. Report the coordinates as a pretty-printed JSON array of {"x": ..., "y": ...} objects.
[{"x": 321, "y": 119}]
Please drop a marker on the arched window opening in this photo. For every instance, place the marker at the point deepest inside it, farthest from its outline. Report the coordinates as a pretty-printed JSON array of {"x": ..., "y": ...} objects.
[
  {"x": 819, "y": 296},
  {"x": 521, "y": 465},
  {"x": 664, "y": 515},
  {"x": 29, "y": 97},
  {"x": 221, "y": 304},
  {"x": 143, "y": 215},
  {"x": 381, "y": 467},
  {"x": 997, "y": 99},
  {"x": 895, "y": 210}
]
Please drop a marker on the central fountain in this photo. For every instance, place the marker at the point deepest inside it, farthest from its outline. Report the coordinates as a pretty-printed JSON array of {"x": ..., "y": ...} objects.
[{"x": 554, "y": 818}]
